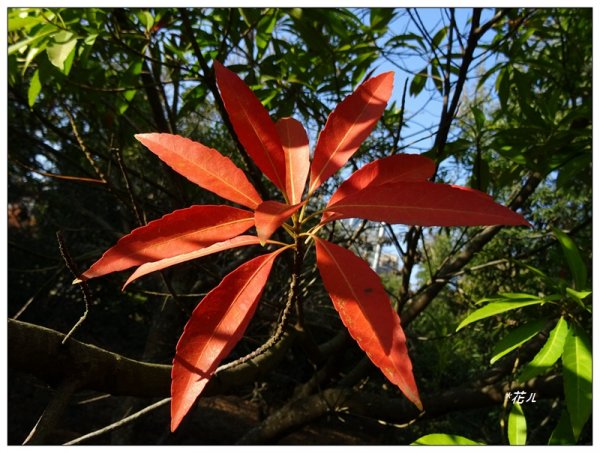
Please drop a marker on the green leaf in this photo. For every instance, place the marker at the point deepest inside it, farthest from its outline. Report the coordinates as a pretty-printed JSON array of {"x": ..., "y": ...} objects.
[
  {"x": 495, "y": 308},
  {"x": 58, "y": 51},
  {"x": 40, "y": 35},
  {"x": 35, "y": 87},
  {"x": 146, "y": 19},
  {"x": 517, "y": 425},
  {"x": 264, "y": 29},
  {"x": 516, "y": 338},
  {"x": 21, "y": 20},
  {"x": 503, "y": 87},
  {"x": 577, "y": 376},
  {"x": 479, "y": 117},
  {"x": 379, "y": 18},
  {"x": 563, "y": 433},
  {"x": 439, "y": 37},
  {"x": 444, "y": 439},
  {"x": 418, "y": 82},
  {"x": 573, "y": 257},
  {"x": 518, "y": 296},
  {"x": 549, "y": 354},
  {"x": 579, "y": 296}
]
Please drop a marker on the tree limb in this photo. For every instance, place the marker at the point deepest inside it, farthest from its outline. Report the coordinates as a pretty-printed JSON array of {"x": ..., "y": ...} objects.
[
  {"x": 426, "y": 294},
  {"x": 391, "y": 410},
  {"x": 38, "y": 350}
]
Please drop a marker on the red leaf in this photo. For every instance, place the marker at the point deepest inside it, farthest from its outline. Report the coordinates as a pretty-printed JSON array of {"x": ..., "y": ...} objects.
[
  {"x": 179, "y": 232},
  {"x": 253, "y": 125},
  {"x": 426, "y": 204},
  {"x": 297, "y": 160},
  {"x": 203, "y": 166},
  {"x": 147, "y": 268},
  {"x": 365, "y": 310},
  {"x": 216, "y": 325},
  {"x": 348, "y": 126},
  {"x": 270, "y": 215},
  {"x": 400, "y": 167}
]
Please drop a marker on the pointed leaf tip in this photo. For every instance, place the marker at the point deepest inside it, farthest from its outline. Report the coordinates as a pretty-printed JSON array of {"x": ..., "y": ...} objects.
[
  {"x": 147, "y": 268},
  {"x": 348, "y": 126},
  {"x": 203, "y": 166},
  {"x": 181, "y": 231},
  {"x": 365, "y": 309},
  {"x": 253, "y": 125},
  {"x": 426, "y": 204},
  {"x": 215, "y": 327}
]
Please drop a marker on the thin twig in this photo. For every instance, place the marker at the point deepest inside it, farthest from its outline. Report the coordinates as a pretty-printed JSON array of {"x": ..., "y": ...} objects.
[
  {"x": 82, "y": 284},
  {"x": 83, "y": 146},
  {"x": 280, "y": 329},
  {"x": 120, "y": 423},
  {"x": 140, "y": 215}
]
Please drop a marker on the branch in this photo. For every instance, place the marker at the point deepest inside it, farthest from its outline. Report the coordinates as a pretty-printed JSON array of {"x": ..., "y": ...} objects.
[
  {"x": 426, "y": 294},
  {"x": 38, "y": 350},
  {"x": 390, "y": 410},
  {"x": 209, "y": 79}
]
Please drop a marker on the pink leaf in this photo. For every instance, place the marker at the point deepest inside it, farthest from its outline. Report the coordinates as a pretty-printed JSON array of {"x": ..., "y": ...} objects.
[
  {"x": 180, "y": 232},
  {"x": 365, "y": 309},
  {"x": 216, "y": 326},
  {"x": 426, "y": 204},
  {"x": 270, "y": 215},
  {"x": 348, "y": 126},
  {"x": 203, "y": 166},
  {"x": 297, "y": 161},
  {"x": 147, "y": 268},
  {"x": 253, "y": 125}
]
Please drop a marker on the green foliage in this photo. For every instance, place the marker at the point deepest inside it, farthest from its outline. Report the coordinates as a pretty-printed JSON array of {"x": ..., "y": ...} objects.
[
  {"x": 549, "y": 354},
  {"x": 500, "y": 305},
  {"x": 517, "y": 426},
  {"x": 444, "y": 439},
  {"x": 577, "y": 367},
  {"x": 516, "y": 338}
]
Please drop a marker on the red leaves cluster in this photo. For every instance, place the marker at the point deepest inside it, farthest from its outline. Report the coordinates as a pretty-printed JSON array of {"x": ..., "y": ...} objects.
[{"x": 394, "y": 189}]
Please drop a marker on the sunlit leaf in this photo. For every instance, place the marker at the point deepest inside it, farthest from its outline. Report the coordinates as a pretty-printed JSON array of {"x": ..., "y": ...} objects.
[
  {"x": 348, "y": 126},
  {"x": 253, "y": 125},
  {"x": 145, "y": 269},
  {"x": 495, "y": 308},
  {"x": 563, "y": 432},
  {"x": 577, "y": 376},
  {"x": 393, "y": 169},
  {"x": 215, "y": 327},
  {"x": 203, "y": 166},
  {"x": 516, "y": 338},
  {"x": 63, "y": 43},
  {"x": 297, "y": 160},
  {"x": 35, "y": 87},
  {"x": 549, "y": 354},
  {"x": 181, "y": 231},
  {"x": 517, "y": 425},
  {"x": 365, "y": 309},
  {"x": 444, "y": 439},
  {"x": 426, "y": 204}
]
